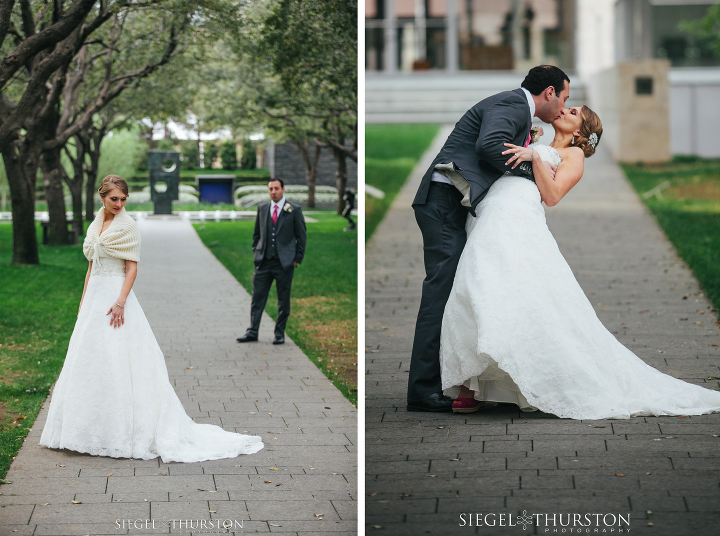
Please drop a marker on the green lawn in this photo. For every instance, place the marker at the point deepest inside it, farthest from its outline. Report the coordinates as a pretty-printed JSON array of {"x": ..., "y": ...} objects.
[
  {"x": 391, "y": 153},
  {"x": 689, "y": 213},
  {"x": 37, "y": 316},
  {"x": 324, "y": 307}
]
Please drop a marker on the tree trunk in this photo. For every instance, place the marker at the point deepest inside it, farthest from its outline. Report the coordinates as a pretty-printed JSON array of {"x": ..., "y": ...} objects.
[
  {"x": 311, "y": 167},
  {"x": 93, "y": 142},
  {"x": 52, "y": 172},
  {"x": 21, "y": 168},
  {"x": 341, "y": 177},
  {"x": 75, "y": 184}
]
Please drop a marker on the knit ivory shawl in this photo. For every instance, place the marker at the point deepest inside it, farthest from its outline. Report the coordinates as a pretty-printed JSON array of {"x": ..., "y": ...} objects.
[{"x": 120, "y": 240}]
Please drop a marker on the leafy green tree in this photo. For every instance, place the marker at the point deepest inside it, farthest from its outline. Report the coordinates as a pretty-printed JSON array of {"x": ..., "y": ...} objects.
[
  {"x": 249, "y": 156},
  {"x": 708, "y": 27},
  {"x": 228, "y": 155},
  {"x": 62, "y": 68},
  {"x": 210, "y": 152},
  {"x": 190, "y": 154}
]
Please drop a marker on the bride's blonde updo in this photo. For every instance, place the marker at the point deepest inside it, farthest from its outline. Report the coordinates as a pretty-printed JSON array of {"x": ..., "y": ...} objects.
[
  {"x": 591, "y": 124},
  {"x": 110, "y": 182}
]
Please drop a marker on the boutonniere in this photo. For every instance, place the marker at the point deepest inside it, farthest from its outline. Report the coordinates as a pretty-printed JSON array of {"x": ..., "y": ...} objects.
[
  {"x": 287, "y": 208},
  {"x": 535, "y": 133}
]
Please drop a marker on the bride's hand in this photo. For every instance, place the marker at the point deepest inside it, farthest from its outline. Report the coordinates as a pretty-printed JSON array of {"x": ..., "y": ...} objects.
[
  {"x": 520, "y": 154},
  {"x": 118, "y": 315}
]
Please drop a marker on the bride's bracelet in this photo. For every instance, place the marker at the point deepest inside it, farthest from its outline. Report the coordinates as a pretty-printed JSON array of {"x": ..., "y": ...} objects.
[{"x": 116, "y": 303}]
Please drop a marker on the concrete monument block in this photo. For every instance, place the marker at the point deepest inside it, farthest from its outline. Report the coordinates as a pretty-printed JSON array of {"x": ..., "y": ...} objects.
[{"x": 632, "y": 100}]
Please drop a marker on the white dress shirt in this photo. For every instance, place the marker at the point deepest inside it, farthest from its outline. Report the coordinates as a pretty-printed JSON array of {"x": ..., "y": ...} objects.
[
  {"x": 531, "y": 103},
  {"x": 280, "y": 204}
]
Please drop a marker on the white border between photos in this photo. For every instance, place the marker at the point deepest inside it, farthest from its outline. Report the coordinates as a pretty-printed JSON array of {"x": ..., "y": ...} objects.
[{"x": 361, "y": 269}]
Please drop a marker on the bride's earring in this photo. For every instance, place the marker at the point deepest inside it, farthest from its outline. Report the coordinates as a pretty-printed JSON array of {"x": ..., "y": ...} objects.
[{"x": 572, "y": 141}]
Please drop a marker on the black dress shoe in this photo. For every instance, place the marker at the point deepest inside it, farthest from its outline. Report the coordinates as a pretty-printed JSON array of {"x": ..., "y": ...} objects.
[
  {"x": 279, "y": 339},
  {"x": 435, "y": 402},
  {"x": 247, "y": 338}
]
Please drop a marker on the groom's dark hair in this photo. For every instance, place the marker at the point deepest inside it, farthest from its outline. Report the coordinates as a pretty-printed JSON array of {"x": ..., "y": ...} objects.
[{"x": 542, "y": 77}]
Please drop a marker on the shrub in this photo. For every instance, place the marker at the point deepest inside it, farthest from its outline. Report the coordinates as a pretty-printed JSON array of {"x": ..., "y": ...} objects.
[
  {"x": 228, "y": 155},
  {"x": 249, "y": 157},
  {"x": 210, "y": 153},
  {"x": 190, "y": 154}
]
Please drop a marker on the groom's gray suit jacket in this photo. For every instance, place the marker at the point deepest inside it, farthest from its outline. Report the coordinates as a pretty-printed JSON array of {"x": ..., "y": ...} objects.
[{"x": 475, "y": 146}]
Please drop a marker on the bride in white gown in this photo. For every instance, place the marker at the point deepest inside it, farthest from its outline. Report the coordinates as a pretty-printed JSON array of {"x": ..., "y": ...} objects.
[
  {"x": 518, "y": 328},
  {"x": 113, "y": 397}
]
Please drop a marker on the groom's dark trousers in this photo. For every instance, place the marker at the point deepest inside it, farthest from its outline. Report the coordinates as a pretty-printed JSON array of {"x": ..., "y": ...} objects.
[
  {"x": 475, "y": 148},
  {"x": 442, "y": 223}
]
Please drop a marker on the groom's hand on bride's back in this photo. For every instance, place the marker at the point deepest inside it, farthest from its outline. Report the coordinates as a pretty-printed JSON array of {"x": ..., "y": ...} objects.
[{"x": 550, "y": 169}]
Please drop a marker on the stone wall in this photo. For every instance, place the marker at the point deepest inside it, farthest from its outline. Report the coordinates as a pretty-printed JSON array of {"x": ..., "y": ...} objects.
[{"x": 284, "y": 162}]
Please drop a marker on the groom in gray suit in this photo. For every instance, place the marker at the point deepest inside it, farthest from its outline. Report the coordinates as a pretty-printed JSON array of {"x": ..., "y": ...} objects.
[
  {"x": 279, "y": 247},
  {"x": 458, "y": 179}
]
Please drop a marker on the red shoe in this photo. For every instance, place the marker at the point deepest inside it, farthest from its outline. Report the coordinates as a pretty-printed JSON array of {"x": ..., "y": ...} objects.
[{"x": 466, "y": 405}]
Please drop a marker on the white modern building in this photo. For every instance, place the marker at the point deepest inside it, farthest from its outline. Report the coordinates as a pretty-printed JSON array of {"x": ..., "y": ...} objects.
[{"x": 430, "y": 60}]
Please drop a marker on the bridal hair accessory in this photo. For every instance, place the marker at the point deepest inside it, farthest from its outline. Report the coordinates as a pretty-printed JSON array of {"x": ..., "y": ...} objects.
[{"x": 593, "y": 140}]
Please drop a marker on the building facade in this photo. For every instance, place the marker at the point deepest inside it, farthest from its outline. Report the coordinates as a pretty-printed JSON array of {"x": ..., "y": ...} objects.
[{"x": 430, "y": 60}]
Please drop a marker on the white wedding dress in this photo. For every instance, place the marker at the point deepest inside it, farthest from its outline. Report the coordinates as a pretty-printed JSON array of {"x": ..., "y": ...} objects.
[
  {"x": 518, "y": 328},
  {"x": 113, "y": 397}
]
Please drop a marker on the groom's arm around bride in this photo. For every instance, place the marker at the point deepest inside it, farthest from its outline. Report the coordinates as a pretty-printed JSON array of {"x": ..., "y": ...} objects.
[{"x": 457, "y": 180}]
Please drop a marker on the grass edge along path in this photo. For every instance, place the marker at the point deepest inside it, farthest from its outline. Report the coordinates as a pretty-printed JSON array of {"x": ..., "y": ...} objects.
[
  {"x": 324, "y": 305},
  {"x": 37, "y": 317},
  {"x": 391, "y": 153},
  {"x": 688, "y": 212}
]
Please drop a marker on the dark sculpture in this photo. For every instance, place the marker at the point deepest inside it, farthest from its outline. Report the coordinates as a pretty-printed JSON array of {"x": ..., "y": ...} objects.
[{"x": 164, "y": 179}]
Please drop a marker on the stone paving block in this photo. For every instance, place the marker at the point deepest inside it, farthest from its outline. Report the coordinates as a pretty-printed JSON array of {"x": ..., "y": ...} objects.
[
  {"x": 81, "y": 513},
  {"x": 68, "y": 529},
  {"x": 321, "y": 482},
  {"x": 615, "y": 463},
  {"x": 29, "y": 486},
  {"x": 293, "y": 511},
  {"x": 16, "y": 513},
  {"x": 37, "y": 499},
  {"x": 146, "y": 497},
  {"x": 532, "y": 462},
  {"x": 656, "y": 501},
  {"x": 395, "y": 467},
  {"x": 346, "y": 510},
  {"x": 313, "y": 527},
  {"x": 181, "y": 510}
]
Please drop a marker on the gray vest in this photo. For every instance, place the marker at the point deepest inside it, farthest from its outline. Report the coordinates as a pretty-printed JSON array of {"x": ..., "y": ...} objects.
[{"x": 271, "y": 250}]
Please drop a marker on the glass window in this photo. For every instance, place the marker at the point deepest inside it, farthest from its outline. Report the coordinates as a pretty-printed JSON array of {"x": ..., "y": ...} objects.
[{"x": 683, "y": 49}]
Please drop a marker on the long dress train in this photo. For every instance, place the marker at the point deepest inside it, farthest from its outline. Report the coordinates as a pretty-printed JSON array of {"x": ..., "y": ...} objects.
[
  {"x": 518, "y": 327},
  {"x": 114, "y": 398}
]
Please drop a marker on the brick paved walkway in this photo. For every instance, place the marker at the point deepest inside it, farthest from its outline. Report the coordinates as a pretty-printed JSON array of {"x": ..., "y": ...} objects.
[
  {"x": 302, "y": 482},
  {"x": 423, "y": 470}
]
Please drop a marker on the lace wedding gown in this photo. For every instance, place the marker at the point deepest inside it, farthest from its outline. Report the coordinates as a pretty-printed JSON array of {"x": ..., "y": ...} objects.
[
  {"x": 113, "y": 397},
  {"x": 518, "y": 328}
]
